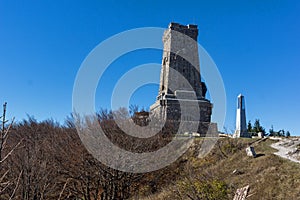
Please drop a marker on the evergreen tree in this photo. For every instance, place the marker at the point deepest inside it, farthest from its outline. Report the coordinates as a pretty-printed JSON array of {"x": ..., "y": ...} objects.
[
  {"x": 249, "y": 127},
  {"x": 271, "y": 131},
  {"x": 257, "y": 127}
]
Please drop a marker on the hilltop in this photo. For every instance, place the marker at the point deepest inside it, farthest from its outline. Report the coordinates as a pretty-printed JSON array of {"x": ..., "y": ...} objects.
[
  {"x": 50, "y": 162},
  {"x": 227, "y": 168}
]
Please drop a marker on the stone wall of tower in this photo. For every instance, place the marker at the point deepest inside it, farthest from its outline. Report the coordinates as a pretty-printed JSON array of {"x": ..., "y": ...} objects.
[
  {"x": 180, "y": 93},
  {"x": 177, "y": 47}
]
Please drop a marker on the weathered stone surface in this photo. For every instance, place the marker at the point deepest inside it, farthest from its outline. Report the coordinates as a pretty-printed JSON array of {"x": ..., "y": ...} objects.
[
  {"x": 250, "y": 152},
  {"x": 241, "y": 194},
  {"x": 181, "y": 93},
  {"x": 237, "y": 172},
  {"x": 260, "y": 135}
]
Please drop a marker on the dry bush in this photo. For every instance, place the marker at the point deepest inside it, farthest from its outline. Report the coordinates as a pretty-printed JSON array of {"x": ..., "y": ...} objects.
[
  {"x": 8, "y": 186},
  {"x": 52, "y": 163},
  {"x": 56, "y": 165}
]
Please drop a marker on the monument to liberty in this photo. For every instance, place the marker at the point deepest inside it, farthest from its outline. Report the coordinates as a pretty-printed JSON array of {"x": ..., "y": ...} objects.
[
  {"x": 180, "y": 86},
  {"x": 241, "y": 129}
]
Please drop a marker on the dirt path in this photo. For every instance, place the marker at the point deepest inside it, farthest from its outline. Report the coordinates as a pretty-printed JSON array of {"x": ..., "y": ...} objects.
[{"x": 288, "y": 148}]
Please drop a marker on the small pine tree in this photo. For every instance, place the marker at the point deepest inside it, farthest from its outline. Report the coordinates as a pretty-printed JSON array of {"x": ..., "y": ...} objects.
[
  {"x": 271, "y": 131},
  {"x": 249, "y": 127},
  {"x": 258, "y": 128}
]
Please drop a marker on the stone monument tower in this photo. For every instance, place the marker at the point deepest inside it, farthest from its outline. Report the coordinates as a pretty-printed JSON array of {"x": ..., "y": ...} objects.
[
  {"x": 241, "y": 129},
  {"x": 180, "y": 80}
]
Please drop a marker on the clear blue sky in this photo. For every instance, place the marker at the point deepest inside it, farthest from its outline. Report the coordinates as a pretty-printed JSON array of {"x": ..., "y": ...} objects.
[{"x": 255, "y": 44}]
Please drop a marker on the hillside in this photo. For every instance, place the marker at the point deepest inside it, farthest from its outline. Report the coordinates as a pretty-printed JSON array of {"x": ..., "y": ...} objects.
[
  {"x": 50, "y": 162},
  {"x": 227, "y": 168}
]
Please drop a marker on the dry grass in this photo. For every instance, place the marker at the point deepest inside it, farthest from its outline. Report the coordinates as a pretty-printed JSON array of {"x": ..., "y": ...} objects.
[{"x": 269, "y": 176}]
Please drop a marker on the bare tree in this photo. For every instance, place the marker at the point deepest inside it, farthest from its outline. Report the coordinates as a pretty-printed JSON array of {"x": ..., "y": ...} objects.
[
  {"x": 5, "y": 153},
  {"x": 44, "y": 160}
]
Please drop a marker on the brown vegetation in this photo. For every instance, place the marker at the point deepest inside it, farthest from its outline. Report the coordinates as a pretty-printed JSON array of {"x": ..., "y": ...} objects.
[
  {"x": 227, "y": 168},
  {"x": 48, "y": 161}
]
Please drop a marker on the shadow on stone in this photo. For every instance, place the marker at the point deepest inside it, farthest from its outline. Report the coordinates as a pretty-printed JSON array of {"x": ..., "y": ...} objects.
[{"x": 259, "y": 155}]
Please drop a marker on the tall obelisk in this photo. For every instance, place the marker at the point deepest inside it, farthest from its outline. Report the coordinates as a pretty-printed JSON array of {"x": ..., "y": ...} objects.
[{"x": 241, "y": 128}]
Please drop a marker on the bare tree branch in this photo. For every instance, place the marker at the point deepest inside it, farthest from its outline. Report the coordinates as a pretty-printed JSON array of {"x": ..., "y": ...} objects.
[
  {"x": 11, "y": 151},
  {"x": 16, "y": 187},
  {"x": 62, "y": 191}
]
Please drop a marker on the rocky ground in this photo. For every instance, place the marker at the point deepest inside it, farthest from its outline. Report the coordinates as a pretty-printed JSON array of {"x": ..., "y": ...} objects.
[{"x": 288, "y": 148}]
